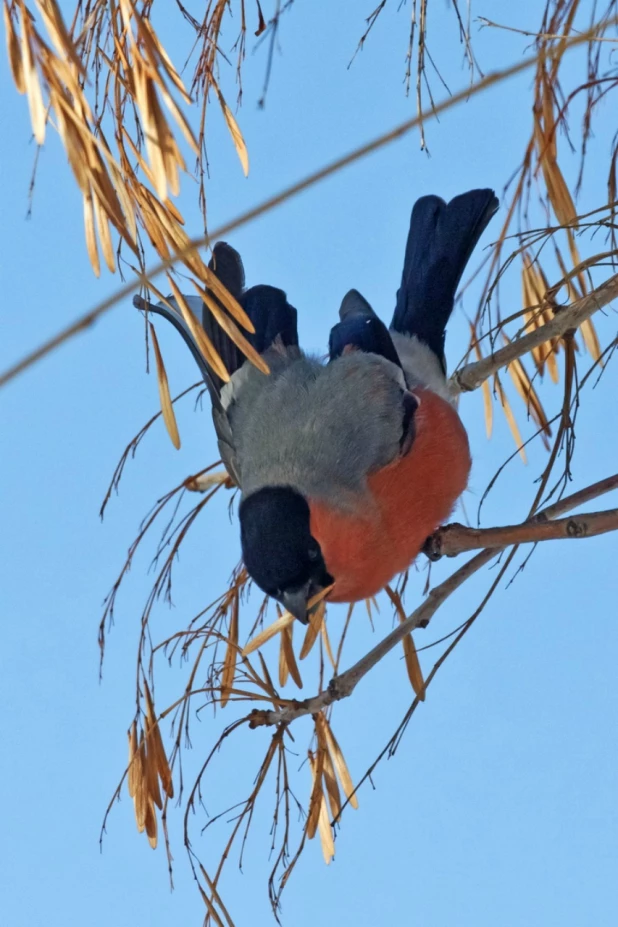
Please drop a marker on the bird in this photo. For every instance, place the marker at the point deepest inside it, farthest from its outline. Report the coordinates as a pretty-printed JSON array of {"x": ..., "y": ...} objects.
[{"x": 347, "y": 463}]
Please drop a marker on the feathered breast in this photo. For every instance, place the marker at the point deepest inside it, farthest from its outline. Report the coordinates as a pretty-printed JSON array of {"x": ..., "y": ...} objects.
[{"x": 411, "y": 497}]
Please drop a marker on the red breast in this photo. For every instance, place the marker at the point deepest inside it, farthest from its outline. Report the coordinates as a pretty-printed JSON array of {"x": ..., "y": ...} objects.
[{"x": 411, "y": 497}]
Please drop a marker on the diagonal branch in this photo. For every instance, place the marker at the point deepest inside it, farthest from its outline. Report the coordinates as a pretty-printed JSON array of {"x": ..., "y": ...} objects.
[
  {"x": 343, "y": 685},
  {"x": 568, "y": 503},
  {"x": 569, "y": 318}
]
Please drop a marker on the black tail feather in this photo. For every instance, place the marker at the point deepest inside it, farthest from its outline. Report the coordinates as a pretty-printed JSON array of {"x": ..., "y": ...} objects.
[
  {"x": 440, "y": 242},
  {"x": 227, "y": 266}
]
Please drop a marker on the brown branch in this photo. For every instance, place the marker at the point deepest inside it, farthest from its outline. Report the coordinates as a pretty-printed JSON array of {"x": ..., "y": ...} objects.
[
  {"x": 568, "y": 503},
  {"x": 569, "y": 318},
  {"x": 455, "y": 539},
  {"x": 342, "y": 686},
  {"x": 328, "y": 170}
]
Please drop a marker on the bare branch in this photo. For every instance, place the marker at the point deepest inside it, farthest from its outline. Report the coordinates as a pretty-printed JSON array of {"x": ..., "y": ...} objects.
[
  {"x": 540, "y": 35},
  {"x": 568, "y": 503},
  {"x": 455, "y": 539},
  {"x": 567, "y": 319},
  {"x": 342, "y": 686}
]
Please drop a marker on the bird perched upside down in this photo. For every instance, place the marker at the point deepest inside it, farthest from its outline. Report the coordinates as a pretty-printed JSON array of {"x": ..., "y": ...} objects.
[{"x": 345, "y": 467}]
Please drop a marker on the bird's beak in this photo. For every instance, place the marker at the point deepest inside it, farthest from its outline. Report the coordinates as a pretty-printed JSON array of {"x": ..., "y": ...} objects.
[{"x": 295, "y": 600}]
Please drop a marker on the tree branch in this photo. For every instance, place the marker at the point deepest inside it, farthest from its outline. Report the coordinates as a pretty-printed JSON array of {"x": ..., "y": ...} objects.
[
  {"x": 471, "y": 376},
  {"x": 451, "y": 540},
  {"x": 568, "y": 503},
  {"x": 343, "y": 685}
]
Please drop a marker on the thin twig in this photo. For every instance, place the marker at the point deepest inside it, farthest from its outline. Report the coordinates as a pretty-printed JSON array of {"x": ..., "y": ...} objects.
[{"x": 540, "y": 35}]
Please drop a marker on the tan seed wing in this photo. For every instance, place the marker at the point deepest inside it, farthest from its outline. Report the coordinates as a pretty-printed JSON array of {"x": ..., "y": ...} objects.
[
  {"x": 12, "y": 48},
  {"x": 237, "y": 138},
  {"x": 275, "y": 628},
  {"x": 167, "y": 409},
  {"x": 340, "y": 765}
]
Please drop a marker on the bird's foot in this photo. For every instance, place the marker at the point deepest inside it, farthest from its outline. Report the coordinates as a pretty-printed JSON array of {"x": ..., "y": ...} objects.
[{"x": 433, "y": 546}]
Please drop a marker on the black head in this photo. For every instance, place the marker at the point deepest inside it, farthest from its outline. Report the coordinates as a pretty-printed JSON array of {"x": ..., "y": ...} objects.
[{"x": 278, "y": 550}]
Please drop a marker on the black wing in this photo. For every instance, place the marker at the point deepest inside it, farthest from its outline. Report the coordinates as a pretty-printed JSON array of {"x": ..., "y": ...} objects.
[
  {"x": 271, "y": 315},
  {"x": 360, "y": 329}
]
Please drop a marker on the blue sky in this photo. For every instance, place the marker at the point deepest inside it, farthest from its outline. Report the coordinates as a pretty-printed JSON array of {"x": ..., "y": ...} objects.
[{"x": 500, "y": 805}]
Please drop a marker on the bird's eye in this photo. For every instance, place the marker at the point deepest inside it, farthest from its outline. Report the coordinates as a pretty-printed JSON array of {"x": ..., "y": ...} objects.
[{"x": 314, "y": 551}]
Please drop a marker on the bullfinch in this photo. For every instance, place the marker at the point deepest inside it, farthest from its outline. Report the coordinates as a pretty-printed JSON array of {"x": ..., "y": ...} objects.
[{"x": 345, "y": 466}]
